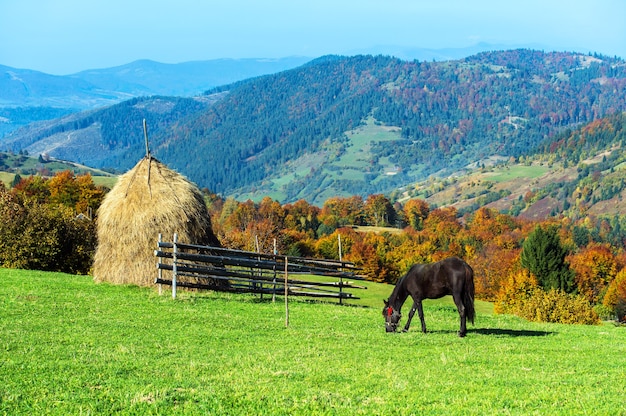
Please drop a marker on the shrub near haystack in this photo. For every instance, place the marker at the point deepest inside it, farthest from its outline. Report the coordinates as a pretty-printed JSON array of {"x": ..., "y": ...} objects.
[{"x": 43, "y": 236}]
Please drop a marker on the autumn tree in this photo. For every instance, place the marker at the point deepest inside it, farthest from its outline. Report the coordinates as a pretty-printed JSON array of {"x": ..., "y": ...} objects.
[
  {"x": 273, "y": 212},
  {"x": 64, "y": 189},
  {"x": 379, "y": 211},
  {"x": 43, "y": 236},
  {"x": 615, "y": 297},
  {"x": 302, "y": 216},
  {"x": 441, "y": 228},
  {"x": 491, "y": 267},
  {"x": 415, "y": 212},
  {"x": 338, "y": 212},
  {"x": 328, "y": 246},
  {"x": 594, "y": 268},
  {"x": 370, "y": 253},
  {"x": 89, "y": 195},
  {"x": 34, "y": 188}
]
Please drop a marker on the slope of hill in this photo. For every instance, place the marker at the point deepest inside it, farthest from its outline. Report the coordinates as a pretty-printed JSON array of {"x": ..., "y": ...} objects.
[
  {"x": 22, "y": 165},
  {"x": 348, "y": 125},
  {"x": 578, "y": 173}
]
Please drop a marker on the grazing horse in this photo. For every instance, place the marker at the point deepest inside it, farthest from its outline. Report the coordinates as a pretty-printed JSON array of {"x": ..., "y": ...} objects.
[{"x": 451, "y": 276}]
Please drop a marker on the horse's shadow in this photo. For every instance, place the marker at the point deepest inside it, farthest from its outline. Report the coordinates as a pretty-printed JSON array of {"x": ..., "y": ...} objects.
[
  {"x": 510, "y": 332},
  {"x": 495, "y": 332}
]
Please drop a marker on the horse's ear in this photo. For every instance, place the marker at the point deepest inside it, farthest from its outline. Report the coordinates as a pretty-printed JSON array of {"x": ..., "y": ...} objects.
[{"x": 386, "y": 301}]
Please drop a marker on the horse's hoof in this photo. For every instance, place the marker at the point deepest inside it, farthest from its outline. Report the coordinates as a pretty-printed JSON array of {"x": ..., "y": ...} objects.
[
  {"x": 405, "y": 330},
  {"x": 461, "y": 334}
]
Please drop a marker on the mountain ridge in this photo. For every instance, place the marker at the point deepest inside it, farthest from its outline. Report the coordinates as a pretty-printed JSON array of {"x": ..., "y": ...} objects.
[{"x": 363, "y": 124}]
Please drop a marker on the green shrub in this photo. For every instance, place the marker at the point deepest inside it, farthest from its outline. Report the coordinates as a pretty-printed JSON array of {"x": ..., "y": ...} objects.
[
  {"x": 603, "y": 312},
  {"x": 44, "y": 236}
]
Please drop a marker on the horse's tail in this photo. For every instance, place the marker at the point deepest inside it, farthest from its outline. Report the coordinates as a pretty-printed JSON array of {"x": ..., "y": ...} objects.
[{"x": 468, "y": 295}]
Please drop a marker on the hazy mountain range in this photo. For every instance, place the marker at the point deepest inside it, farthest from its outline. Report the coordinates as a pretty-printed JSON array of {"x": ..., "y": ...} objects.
[{"x": 98, "y": 87}]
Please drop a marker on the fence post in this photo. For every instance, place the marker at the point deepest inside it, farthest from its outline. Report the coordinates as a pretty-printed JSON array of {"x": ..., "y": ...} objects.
[
  {"x": 174, "y": 268},
  {"x": 286, "y": 295},
  {"x": 159, "y": 269},
  {"x": 274, "y": 270},
  {"x": 258, "y": 271},
  {"x": 340, "y": 277}
]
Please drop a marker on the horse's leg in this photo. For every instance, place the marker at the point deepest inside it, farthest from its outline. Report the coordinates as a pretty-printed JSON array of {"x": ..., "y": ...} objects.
[
  {"x": 408, "y": 322},
  {"x": 417, "y": 305},
  {"x": 458, "y": 300},
  {"x": 420, "y": 311}
]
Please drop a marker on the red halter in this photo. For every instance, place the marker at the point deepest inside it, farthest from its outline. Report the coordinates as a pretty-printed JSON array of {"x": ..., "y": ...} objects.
[{"x": 389, "y": 311}]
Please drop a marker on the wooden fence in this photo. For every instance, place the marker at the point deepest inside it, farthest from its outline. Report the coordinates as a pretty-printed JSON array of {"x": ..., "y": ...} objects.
[{"x": 216, "y": 268}]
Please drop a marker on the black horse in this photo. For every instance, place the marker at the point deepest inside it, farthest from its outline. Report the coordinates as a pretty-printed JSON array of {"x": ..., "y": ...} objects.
[{"x": 451, "y": 276}]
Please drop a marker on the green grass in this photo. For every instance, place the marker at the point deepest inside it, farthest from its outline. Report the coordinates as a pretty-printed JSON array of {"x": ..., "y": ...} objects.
[
  {"x": 517, "y": 171},
  {"x": 358, "y": 153},
  {"x": 69, "y": 346},
  {"x": 108, "y": 181},
  {"x": 7, "y": 178}
]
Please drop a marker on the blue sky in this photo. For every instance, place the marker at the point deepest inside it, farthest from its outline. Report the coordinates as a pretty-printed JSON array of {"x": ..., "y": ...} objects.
[{"x": 67, "y": 36}]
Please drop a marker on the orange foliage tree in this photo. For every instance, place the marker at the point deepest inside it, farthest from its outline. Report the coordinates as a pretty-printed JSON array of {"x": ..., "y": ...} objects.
[
  {"x": 594, "y": 266},
  {"x": 615, "y": 297},
  {"x": 491, "y": 243}
]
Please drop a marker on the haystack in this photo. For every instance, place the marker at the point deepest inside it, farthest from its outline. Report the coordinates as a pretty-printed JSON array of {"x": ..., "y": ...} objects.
[{"x": 148, "y": 200}]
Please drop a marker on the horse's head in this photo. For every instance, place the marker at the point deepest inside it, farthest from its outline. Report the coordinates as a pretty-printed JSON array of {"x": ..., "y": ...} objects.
[{"x": 392, "y": 317}]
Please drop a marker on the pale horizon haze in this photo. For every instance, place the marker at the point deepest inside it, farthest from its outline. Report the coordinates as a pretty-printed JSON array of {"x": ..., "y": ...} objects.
[{"x": 67, "y": 36}]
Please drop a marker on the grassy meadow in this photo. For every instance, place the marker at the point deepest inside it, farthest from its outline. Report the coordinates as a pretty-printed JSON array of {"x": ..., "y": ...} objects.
[{"x": 69, "y": 346}]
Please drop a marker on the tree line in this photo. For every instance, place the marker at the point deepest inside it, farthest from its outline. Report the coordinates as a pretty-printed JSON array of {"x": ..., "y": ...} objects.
[{"x": 559, "y": 269}]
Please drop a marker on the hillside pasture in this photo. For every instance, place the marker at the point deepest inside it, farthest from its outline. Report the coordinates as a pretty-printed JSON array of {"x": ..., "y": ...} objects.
[
  {"x": 69, "y": 346},
  {"x": 358, "y": 153},
  {"x": 336, "y": 163},
  {"x": 510, "y": 173},
  {"x": 7, "y": 178}
]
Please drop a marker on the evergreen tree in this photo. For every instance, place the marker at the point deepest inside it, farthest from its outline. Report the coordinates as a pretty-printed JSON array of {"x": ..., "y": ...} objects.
[
  {"x": 16, "y": 179},
  {"x": 544, "y": 256}
]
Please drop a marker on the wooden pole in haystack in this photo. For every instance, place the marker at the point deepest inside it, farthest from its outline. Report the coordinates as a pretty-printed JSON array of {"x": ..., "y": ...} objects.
[{"x": 148, "y": 156}]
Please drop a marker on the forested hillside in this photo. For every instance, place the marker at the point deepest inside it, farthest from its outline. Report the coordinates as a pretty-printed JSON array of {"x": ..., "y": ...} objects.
[{"x": 349, "y": 125}]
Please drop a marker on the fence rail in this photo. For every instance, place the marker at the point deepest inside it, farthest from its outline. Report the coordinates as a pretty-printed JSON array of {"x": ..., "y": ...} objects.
[{"x": 221, "y": 269}]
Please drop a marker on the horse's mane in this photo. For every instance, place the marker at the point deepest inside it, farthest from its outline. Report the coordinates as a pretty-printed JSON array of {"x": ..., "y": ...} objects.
[{"x": 399, "y": 292}]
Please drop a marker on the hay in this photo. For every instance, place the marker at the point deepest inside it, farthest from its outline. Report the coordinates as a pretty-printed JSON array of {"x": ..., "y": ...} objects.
[{"x": 148, "y": 200}]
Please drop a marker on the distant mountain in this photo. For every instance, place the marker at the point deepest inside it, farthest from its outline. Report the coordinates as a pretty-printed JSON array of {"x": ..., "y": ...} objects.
[
  {"x": 26, "y": 88},
  {"x": 346, "y": 125},
  {"x": 28, "y": 96},
  {"x": 98, "y": 87},
  {"x": 443, "y": 54},
  {"x": 185, "y": 79}
]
